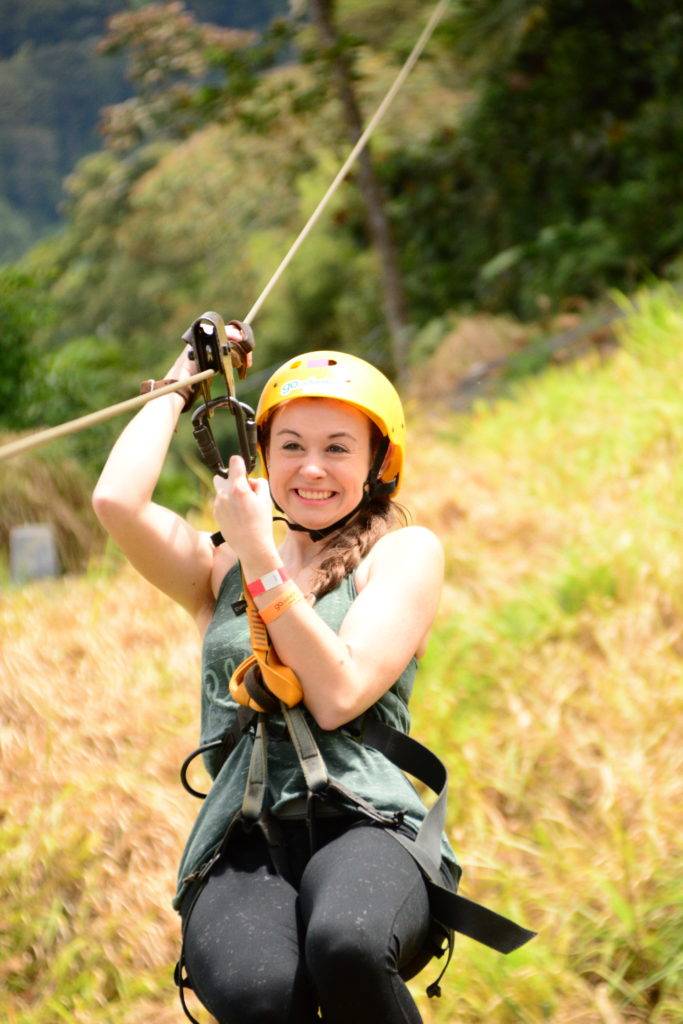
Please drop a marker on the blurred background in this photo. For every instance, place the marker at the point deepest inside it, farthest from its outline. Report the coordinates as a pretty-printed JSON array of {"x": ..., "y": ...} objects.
[{"x": 510, "y": 254}]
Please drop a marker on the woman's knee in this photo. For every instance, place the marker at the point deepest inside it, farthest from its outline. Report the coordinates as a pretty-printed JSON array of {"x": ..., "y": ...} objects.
[{"x": 346, "y": 951}]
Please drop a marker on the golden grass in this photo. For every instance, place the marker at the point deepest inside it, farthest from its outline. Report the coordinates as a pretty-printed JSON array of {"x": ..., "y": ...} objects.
[
  {"x": 552, "y": 687},
  {"x": 99, "y": 679}
]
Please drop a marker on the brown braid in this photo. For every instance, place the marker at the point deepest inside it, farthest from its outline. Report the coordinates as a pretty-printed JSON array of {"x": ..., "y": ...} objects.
[{"x": 346, "y": 549}]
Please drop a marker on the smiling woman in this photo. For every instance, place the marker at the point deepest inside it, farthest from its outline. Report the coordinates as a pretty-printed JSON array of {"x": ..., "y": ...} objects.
[{"x": 279, "y": 924}]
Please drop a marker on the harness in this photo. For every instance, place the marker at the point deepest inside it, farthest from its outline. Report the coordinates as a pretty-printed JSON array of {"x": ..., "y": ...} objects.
[{"x": 450, "y": 911}]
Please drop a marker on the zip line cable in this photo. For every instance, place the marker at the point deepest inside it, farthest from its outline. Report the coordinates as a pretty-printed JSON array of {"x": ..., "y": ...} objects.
[{"x": 83, "y": 422}]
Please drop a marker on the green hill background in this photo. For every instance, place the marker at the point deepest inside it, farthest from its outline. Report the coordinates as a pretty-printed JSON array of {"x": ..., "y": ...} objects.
[{"x": 53, "y": 85}]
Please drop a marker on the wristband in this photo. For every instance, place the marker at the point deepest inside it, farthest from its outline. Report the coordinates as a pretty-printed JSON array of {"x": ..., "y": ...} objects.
[
  {"x": 268, "y": 581},
  {"x": 189, "y": 393},
  {"x": 274, "y": 610}
]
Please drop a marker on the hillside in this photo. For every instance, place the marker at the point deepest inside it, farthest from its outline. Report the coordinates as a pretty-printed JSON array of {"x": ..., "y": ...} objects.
[
  {"x": 552, "y": 687},
  {"x": 54, "y": 85}
]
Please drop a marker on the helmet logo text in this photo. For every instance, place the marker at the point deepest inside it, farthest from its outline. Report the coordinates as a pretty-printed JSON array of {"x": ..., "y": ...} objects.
[{"x": 316, "y": 382}]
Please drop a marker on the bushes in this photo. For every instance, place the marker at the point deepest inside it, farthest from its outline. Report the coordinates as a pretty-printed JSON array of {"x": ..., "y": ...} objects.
[{"x": 562, "y": 177}]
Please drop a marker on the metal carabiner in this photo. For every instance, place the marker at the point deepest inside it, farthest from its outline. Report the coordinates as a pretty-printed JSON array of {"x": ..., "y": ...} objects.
[
  {"x": 246, "y": 433},
  {"x": 213, "y": 350}
]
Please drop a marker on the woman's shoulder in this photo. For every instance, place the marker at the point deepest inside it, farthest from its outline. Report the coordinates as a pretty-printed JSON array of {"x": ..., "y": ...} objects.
[{"x": 407, "y": 546}]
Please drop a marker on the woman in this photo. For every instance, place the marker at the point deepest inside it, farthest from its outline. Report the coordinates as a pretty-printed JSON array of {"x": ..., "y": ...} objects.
[{"x": 311, "y": 906}]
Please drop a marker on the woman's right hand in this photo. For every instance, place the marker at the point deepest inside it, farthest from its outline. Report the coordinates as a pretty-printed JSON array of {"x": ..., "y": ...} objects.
[{"x": 184, "y": 366}]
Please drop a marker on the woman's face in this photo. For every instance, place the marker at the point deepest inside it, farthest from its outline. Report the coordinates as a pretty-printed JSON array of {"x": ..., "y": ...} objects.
[{"x": 318, "y": 459}]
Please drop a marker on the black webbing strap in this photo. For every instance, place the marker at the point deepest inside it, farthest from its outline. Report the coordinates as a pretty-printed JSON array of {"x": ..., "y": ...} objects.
[
  {"x": 475, "y": 921},
  {"x": 180, "y": 975},
  {"x": 258, "y": 691},
  {"x": 450, "y": 909},
  {"x": 415, "y": 759},
  {"x": 311, "y": 760},
  {"x": 257, "y": 776}
]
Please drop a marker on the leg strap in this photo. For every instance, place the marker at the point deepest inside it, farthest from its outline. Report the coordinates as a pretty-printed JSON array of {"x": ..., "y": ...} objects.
[{"x": 450, "y": 909}]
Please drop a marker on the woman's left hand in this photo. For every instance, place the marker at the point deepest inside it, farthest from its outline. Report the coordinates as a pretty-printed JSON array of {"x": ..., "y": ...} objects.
[{"x": 244, "y": 512}]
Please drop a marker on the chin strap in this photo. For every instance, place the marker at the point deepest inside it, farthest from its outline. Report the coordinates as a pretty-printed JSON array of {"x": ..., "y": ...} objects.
[{"x": 372, "y": 488}]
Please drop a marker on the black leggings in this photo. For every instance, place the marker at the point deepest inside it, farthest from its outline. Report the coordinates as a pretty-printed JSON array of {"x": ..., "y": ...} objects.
[{"x": 260, "y": 949}]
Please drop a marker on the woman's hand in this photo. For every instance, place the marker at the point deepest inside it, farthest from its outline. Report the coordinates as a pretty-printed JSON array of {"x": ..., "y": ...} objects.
[
  {"x": 244, "y": 511},
  {"x": 184, "y": 366}
]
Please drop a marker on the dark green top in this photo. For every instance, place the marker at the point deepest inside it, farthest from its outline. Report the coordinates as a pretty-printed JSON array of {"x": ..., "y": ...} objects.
[{"x": 362, "y": 769}]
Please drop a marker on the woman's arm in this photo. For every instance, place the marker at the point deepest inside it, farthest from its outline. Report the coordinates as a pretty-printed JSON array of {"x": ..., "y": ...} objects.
[
  {"x": 162, "y": 546},
  {"x": 341, "y": 674}
]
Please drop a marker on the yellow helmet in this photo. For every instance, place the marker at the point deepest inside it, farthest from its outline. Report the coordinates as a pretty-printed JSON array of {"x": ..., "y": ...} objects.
[{"x": 346, "y": 378}]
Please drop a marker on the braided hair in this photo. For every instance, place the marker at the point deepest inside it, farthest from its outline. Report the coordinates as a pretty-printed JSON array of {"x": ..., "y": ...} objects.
[{"x": 346, "y": 549}]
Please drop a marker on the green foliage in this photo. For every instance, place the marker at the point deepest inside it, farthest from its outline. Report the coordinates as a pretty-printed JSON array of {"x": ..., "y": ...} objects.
[
  {"x": 16, "y": 233},
  {"x": 19, "y": 319},
  {"x": 80, "y": 377},
  {"x": 554, "y": 681},
  {"x": 561, "y": 178},
  {"x": 54, "y": 84}
]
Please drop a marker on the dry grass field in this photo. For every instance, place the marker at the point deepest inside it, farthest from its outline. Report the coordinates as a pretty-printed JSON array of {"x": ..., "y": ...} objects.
[{"x": 552, "y": 687}]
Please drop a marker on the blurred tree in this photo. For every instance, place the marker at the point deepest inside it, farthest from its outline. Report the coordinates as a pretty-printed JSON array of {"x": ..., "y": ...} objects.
[
  {"x": 169, "y": 58},
  {"x": 561, "y": 178},
  {"x": 52, "y": 86},
  {"x": 20, "y": 316},
  {"x": 186, "y": 73},
  {"x": 335, "y": 53}
]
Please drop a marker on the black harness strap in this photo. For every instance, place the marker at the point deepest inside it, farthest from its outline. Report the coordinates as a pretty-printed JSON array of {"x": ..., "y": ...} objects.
[
  {"x": 450, "y": 909},
  {"x": 257, "y": 777},
  {"x": 415, "y": 759},
  {"x": 258, "y": 691},
  {"x": 311, "y": 760}
]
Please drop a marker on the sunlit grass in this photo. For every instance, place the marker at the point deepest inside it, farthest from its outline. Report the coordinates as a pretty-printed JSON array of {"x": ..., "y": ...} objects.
[
  {"x": 554, "y": 682},
  {"x": 552, "y": 686}
]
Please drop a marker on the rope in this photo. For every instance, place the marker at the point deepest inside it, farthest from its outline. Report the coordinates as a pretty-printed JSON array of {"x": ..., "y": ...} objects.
[
  {"x": 83, "y": 422},
  {"x": 92, "y": 418}
]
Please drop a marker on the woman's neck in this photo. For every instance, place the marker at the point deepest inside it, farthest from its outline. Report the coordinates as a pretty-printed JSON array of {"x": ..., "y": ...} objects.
[{"x": 298, "y": 551}]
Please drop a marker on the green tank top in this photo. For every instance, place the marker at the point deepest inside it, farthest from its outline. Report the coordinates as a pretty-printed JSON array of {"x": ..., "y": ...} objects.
[{"x": 360, "y": 768}]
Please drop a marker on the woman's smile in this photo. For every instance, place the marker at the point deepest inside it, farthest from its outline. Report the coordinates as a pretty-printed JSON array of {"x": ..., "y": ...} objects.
[{"x": 313, "y": 497}]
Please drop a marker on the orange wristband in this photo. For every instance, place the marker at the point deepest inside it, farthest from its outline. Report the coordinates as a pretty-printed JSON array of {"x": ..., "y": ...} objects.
[{"x": 289, "y": 595}]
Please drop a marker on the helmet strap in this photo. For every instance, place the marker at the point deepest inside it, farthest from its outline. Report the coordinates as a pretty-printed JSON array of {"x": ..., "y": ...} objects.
[{"x": 372, "y": 488}]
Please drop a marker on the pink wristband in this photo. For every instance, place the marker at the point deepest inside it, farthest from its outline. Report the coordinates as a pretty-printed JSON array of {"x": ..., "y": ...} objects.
[{"x": 268, "y": 581}]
